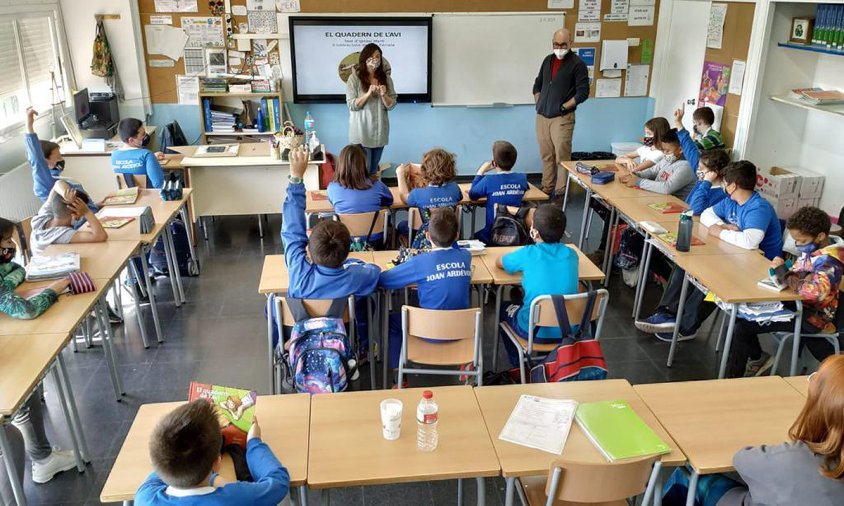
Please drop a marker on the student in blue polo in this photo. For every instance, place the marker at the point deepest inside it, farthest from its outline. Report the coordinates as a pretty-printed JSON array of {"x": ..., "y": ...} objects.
[
  {"x": 443, "y": 274},
  {"x": 437, "y": 174},
  {"x": 133, "y": 158},
  {"x": 501, "y": 187},
  {"x": 548, "y": 267}
]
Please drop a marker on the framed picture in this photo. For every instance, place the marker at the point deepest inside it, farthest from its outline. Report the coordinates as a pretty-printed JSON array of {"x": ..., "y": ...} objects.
[{"x": 801, "y": 30}]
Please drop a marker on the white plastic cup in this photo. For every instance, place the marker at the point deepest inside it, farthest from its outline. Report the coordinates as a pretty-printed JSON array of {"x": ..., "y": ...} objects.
[{"x": 391, "y": 411}]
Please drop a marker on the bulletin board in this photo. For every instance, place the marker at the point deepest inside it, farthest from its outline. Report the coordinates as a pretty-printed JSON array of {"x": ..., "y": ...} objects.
[
  {"x": 162, "y": 80},
  {"x": 735, "y": 43}
]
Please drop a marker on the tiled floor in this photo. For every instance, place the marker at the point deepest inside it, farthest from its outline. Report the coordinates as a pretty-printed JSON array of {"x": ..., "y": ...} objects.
[{"x": 219, "y": 336}]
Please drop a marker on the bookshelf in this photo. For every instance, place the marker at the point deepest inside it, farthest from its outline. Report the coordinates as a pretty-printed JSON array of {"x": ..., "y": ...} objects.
[
  {"x": 814, "y": 48},
  {"x": 226, "y": 99},
  {"x": 837, "y": 109}
]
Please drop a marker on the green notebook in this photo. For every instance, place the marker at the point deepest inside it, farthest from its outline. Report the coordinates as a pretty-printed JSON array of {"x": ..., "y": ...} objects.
[{"x": 617, "y": 431}]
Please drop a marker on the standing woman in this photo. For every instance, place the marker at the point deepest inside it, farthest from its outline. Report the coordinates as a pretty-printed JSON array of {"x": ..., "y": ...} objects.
[{"x": 370, "y": 94}]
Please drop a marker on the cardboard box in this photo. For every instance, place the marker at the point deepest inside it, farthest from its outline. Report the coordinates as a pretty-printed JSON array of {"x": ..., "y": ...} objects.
[
  {"x": 809, "y": 202},
  {"x": 811, "y": 183},
  {"x": 784, "y": 207},
  {"x": 778, "y": 183}
]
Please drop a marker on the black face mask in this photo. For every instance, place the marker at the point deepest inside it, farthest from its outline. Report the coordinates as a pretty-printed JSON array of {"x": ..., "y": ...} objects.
[
  {"x": 145, "y": 140},
  {"x": 7, "y": 255},
  {"x": 59, "y": 165}
]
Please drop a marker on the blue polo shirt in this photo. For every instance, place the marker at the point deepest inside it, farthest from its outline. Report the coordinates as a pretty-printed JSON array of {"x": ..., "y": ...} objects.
[
  {"x": 351, "y": 201},
  {"x": 431, "y": 196},
  {"x": 139, "y": 162},
  {"x": 443, "y": 276},
  {"x": 507, "y": 188},
  {"x": 757, "y": 213}
]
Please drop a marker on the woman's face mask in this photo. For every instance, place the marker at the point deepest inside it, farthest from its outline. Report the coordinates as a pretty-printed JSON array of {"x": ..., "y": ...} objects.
[{"x": 373, "y": 63}]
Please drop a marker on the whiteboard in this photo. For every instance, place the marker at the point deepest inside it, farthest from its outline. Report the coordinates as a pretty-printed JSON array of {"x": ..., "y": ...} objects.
[{"x": 490, "y": 58}]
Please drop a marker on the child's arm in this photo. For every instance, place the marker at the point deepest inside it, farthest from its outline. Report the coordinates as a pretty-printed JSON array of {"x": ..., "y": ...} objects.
[
  {"x": 679, "y": 178},
  {"x": 97, "y": 233},
  {"x": 385, "y": 193},
  {"x": 22, "y": 308},
  {"x": 148, "y": 489},
  {"x": 513, "y": 262},
  {"x": 399, "y": 276},
  {"x": 42, "y": 179},
  {"x": 711, "y": 216},
  {"x": 272, "y": 481},
  {"x": 155, "y": 174},
  {"x": 401, "y": 175},
  {"x": 690, "y": 149},
  {"x": 15, "y": 277},
  {"x": 644, "y": 165},
  {"x": 815, "y": 285},
  {"x": 478, "y": 188},
  {"x": 698, "y": 199},
  {"x": 293, "y": 234}
]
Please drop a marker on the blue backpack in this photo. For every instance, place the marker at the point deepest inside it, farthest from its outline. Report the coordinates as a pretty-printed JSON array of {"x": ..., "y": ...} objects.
[{"x": 319, "y": 349}]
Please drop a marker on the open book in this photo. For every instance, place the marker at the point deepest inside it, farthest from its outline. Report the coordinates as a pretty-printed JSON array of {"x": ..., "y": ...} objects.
[
  {"x": 124, "y": 197},
  {"x": 671, "y": 238},
  {"x": 235, "y": 406},
  {"x": 541, "y": 423},
  {"x": 776, "y": 279}
]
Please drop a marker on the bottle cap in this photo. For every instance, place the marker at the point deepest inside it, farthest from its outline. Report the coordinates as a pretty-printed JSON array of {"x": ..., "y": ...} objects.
[{"x": 427, "y": 394}]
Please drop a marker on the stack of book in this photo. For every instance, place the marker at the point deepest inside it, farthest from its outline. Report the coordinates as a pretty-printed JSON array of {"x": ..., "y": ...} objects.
[
  {"x": 223, "y": 121},
  {"x": 52, "y": 267},
  {"x": 212, "y": 85},
  {"x": 829, "y": 26},
  {"x": 823, "y": 97}
]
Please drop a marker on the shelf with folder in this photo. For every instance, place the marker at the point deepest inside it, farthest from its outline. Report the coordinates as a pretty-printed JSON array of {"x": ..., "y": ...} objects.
[
  {"x": 215, "y": 110},
  {"x": 814, "y": 48},
  {"x": 837, "y": 109},
  {"x": 238, "y": 134}
]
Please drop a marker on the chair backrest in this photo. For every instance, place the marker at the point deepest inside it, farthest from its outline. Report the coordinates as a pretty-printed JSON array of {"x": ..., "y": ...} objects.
[
  {"x": 315, "y": 308},
  {"x": 359, "y": 223},
  {"x": 542, "y": 312},
  {"x": 583, "y": 482},
  {"x": 414, "y": 221},
  {"x": 447, "y": 326},
  {"x": 138, "y": 181},
  {"x": 23, "y": 232}
]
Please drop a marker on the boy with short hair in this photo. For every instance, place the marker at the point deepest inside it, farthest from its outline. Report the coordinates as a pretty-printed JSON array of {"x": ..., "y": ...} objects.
[
  {"x": 501, "y": 187},
  {"x": 707, "y": 191},
  {"x": 548, "y": 267},
  {"x": 443, "y": 274},
  {"x": 706, "y": 138},
  {"x": 133, "y": 158},
  {"x": 744, "y": 219},
  {"x": 53, "y": 223},
  {"x": 671, "y": 175},
  {"x": 185, "y": 452},
  {"x": 816, "y": 276}
]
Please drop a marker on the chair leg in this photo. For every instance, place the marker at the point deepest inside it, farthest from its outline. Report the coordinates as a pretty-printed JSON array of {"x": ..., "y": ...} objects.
[
  {"x": 778, "y": 356},
  {"x": 522, "y": 372}
]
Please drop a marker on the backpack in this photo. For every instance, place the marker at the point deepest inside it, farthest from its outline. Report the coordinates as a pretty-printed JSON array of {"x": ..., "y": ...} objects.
[
  {"x": 188, "y": 266},
  {"x": 579, "y": 357},
  {"x": 509, "y": 229},
  {"x": 420, "y": 240},
  {"x": 319, "y": 350}
]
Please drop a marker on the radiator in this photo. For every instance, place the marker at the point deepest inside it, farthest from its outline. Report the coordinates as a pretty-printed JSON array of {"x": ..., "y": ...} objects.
[{"x": 16, "y": 198}]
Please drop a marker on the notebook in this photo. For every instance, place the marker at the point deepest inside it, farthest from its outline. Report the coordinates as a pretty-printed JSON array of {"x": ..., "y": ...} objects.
[
  {"x": 671, "y": 238},
  {"x": 667, "y": 207},
  {"x": 617, "y": 431},
  {"x": 52, "y": 266},
  {"x": 124, "y": 197}
]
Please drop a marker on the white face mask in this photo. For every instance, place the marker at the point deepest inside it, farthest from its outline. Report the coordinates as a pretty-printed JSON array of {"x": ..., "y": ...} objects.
[
  {"x": 670, "y": 158},
  {"x": 560, "y": 53},
  {"x": 373, "y": 64}
]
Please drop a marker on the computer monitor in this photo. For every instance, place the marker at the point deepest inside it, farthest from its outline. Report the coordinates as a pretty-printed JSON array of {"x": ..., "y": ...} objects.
[{"x": 82, "y": 105}]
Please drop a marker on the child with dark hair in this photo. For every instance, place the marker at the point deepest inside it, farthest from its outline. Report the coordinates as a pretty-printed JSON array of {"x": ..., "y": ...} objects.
[
  {"x": 438, "y": 188},
  {"x": 443, "y": 274},
  {"x": 649, "y": 153},
  {"x": 816, "y": 276},
  {"x": 671, "y": 175},
  {"x": 185, "y": 452},
  {"x": 703, "y": 118},
  {"x": 500, "y": 187},
  {"x": 707, "y": 191},
  {"x": 53, "y": 223},
  {"x": 133, "y": 158},
  {"x": 548, "y": 267}
]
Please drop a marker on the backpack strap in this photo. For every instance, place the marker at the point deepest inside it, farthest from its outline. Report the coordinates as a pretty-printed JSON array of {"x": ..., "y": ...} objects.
[
  {"x": 559, "y": 302},
  {"x": 522, "y": 213},
  {"x": 372, "y": 226},
  {"x": 585, "y": 329},
  {"x": 297, "y": 307},
  {"x": 337, "y": 308}
]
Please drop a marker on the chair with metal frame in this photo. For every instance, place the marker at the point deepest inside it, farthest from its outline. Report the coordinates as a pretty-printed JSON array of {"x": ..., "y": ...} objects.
[{"x": 361, "y": 224}]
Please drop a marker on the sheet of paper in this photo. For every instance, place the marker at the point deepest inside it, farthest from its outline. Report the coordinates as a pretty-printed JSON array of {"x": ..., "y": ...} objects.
[
  {"x": 641, "y": 15},
  {"x": 715, "y": 31},
  {"x": 260, "y": 5},
  {"x": 203, "y": 31},
  {"x": 165, "y": 39},
  {"x": 262, "y": 22},
  {"x": 287, "y": 5},
  {"x": 589, "y": 10},
  {"x": 560, "y": 4},
  {"x": 587, "y": 32},
  {"x": 606, "y": 88},
  {"x": 176, "y": 6},
  {"x": 647, "y": 51},
  {"x": 615, "y": 18},
  {"x": 636, "y": 83},
  {"x": 642, "y": 2},
  {"x": 619, "y": 6},
  {"x": 194, "y": 61},
  {"x": 737, "y": 77},
  {"x": 239, "y": 10},
  {"x": 540, "y": 423},
  {"x": 614, "y": 54},
  {"x": 188, "y": 87},
  {"x": 161, "y": 19},
  {"x": 161, "y": 63}
]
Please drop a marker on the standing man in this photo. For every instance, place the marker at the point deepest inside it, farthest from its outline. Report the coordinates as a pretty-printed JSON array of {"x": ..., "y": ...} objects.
[{"x": 562, "y": 84}]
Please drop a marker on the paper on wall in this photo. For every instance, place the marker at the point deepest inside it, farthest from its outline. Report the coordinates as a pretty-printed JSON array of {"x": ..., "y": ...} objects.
[
  {"x": 613, "y": 18},
  {"x": 737, "y": 77},
  {"x": 641, "y": 15},
  {"x": 262, "y": 22},
  {"x": 614, "y": 54},
  {"x": 260, "y": 5},
  {"x": 642, "y": 2},
  {"x": 619, "y": 6},
  {"x": 161, "y": 19},
  {"x": 636, "y": 84},
  {"x": 287, "y": 5},
  {"x": 239, "y": 10},
  {"x": 166, "y": 40},
  {"x": 560, "y": 4},
  {"x": 176, "y": 6},
  {"x": 611, "y": 73},
  {"x": 188, "y": 87},
  {"x": 161, "y": 63},
  {"x": 606, "y": 88},
  {"x": 589, "y": 10},
  {"x": 587, "y": 32},
  {"x": 587, "y": 54},
  {"x": 715, "y": 31},
  {"x": 194, "y": 61},
  {"x": 204, "y": 31}
]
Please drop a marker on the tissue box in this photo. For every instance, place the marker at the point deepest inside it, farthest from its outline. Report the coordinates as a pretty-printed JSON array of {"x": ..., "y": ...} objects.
[
  {"x": 778, "y": 183},
  {"x": 622, "y": 148},
  {"x": 784, "y": 207},
  {"x": 811, "y": 183}
]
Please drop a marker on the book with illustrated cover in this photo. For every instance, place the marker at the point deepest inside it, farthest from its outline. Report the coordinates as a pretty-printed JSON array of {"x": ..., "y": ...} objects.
[
  {"x": 42, "y": 267},
  {"x": 125, "y": 197},
  {"x": 318, "y": 195},
  {"x": 235, "y": 406},
  {"x": 667, "y": 207},
  {"x": 617, "y": 431},
  {"x": 671, "y": 238},
  {"x": 115, "y": 221}
]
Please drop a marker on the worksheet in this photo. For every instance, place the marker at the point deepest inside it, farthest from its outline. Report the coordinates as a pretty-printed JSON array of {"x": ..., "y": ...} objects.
[{"x": 541, "y": 423}]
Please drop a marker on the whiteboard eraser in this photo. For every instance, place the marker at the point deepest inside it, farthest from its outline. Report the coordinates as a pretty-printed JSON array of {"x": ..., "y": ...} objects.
[{"x": 633, "y": 41}]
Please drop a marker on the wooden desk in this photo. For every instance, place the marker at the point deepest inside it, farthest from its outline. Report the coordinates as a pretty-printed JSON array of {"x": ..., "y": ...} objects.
[
  {"x": 274, "y": 275},
  {"x": 284, "y": 427},
  {"x": 480, "y": 274},
  {"x": 100, "y": 260},
  {"x": 24, "y": 360},
  {"x": 497, "y": 402},
  {"x": 62, "y": 318},
  {"x": 711, "y": 420},
  {"x": 347, "y": 447},
  {"x": 162, "y": 211},
  {"x": 637, "y": 210},
  {"x": 799, "y": 383},
  {"x": 587, "y": 271},
  {"x": 712, "y": 246}
]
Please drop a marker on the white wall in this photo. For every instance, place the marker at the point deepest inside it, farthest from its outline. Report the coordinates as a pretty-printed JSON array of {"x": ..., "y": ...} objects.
[{"x": 123, "y": 36}]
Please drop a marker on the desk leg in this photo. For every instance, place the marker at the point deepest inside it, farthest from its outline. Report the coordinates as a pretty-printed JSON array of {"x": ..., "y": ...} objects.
[
  {"x": 175, "y": 260},
  {"x": 172, "y": 265},
  {"x": 118, "y": 298},
  {"x": 280, "y": 330},
  {"x": 566, "y": 191},
  {"x": 385, "y": 340},
  {"x": 795, "y": 342},
  {"x": 14, "y": 479},
  {"x": 610, "y": 246},
  {"x": 510, "y": 491},
  {"x": 105, "y": 331},
  {"x": 189, "y": 231},
  {"x": 481, "y": 289},
  {"x": 499, "y": 294},
  {"x": 77, "y": 449},
  {"x": 644, "y": 267},
  {"x": 728, "y": 341},
  {"x": 71, "y": 402},
  {"x": 660, "y": 483},
  {"x": 271, "y": 354},
  {"x": 303, "y": 495},
  {"x": 652, "y": 482},
  {"x": 678, "y": 319},
  {"x": 481, "y": 491},
  {"x": 138, "y": 316},
  {"x": 690, "y": 496},
  {"x": 151, "y": 295},
  {"x": 371, "y": 325},
  {"x": 459, "y": 491},
  {"x": 583, "y": 221}
]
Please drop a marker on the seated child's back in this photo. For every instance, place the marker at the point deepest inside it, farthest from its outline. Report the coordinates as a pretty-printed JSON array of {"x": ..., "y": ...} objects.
[
  {"x": 502, "y": 187},
  {"x": 54, "y": 221},
  {"x": 133, "y": 158},
  {"x": 352, "y": 191}
]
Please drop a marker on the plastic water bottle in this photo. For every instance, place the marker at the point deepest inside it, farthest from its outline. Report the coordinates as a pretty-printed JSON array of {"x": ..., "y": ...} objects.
[
  {"x": 426, "y": 422},
  {"x": 310, "y": 128},
  {"x": 684, "y": 232}
]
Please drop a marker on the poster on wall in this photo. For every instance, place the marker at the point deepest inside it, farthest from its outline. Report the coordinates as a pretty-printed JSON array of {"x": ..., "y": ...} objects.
[
  {"x": 176, "y": 6},
  {"x": 714, "y": 83},
  {"x": 587, "y": 54}
]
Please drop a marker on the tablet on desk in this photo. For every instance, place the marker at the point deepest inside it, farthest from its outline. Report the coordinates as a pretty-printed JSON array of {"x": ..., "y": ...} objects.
[{"x": 217, "y": 150}]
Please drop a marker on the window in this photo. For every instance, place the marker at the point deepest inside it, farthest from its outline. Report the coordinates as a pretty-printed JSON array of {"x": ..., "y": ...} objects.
[{"x": 30, "y": 60}]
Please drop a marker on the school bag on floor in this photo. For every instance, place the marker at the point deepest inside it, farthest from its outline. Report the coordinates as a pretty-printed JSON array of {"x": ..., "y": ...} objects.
[
  {"x": 320, "y": 350},
  {"x": 188, "y": 266},
  {"x": 509, "y": 229},
  {"x": 579, "y": 357}
]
